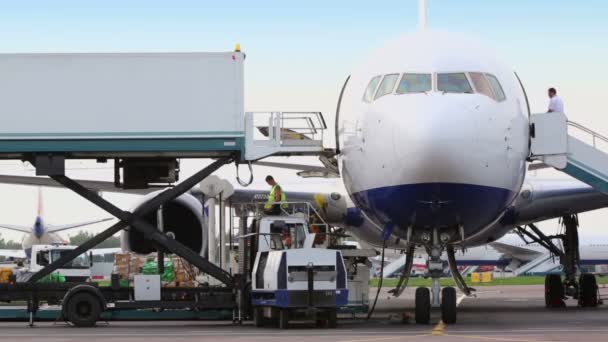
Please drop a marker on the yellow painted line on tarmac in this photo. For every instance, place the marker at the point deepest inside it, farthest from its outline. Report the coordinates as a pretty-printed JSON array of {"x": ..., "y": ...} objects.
[
  {"x": 439, "y": 329},
  {"x": 400, "y": 338},
  {"x": 489, "y": 338}
]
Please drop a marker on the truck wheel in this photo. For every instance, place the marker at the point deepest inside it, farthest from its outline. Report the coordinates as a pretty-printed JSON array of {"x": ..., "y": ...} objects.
[
  {"x": 332, "y": 318},
  {"x": 83, "y": 309},
  {"x": 284, "y": 319},
  {"x": 258, "y": 316}
]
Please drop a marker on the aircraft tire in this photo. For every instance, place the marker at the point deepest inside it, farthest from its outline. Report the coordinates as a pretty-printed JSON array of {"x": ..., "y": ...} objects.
[
  {"x": 448, "y": 305},
  {"x": 587, "y": 297},
  {"x": 423, "y": 305},
  {"x": 554, "y": 291}
]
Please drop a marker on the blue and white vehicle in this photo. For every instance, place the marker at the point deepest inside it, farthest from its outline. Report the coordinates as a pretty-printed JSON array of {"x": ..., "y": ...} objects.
[{"x": 291, "y": 276}]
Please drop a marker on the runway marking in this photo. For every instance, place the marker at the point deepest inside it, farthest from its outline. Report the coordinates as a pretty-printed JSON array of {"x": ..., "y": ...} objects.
[
  {"x": 400, "y": 337},
  {"x": 439, "y": 329},
  {"x": 460, "y": 300},
  {"x": 488, "y": 338}
]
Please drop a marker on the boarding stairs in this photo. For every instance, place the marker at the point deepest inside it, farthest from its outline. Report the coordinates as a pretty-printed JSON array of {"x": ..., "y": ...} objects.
[
  {"x": 571, "y": 148},
  {"x": 394, "y": 267},
  {"x": 542, "y": 264}
]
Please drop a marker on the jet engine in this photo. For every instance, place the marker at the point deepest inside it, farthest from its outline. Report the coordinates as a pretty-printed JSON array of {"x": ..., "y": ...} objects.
[{"x": 182, "y": 220}]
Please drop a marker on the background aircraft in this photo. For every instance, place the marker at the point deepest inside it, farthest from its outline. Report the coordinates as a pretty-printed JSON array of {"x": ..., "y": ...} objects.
[{"x": 40, "y": 233}]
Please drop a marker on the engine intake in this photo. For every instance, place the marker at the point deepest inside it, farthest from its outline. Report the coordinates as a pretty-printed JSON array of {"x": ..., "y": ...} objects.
[{"x": 182, "y": 220}]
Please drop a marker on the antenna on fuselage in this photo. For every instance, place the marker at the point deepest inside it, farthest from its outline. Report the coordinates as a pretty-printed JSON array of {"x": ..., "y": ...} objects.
[{"x": 422, "y": 14}]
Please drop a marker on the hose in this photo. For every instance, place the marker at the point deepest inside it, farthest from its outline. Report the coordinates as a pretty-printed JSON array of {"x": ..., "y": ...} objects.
[
  {"x": 238, "y": 178},
  {"x": 371, "y": 312}
]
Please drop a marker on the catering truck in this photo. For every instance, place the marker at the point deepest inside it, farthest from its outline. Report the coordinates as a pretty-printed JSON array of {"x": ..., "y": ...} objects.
[{"x": 144, "y": 111}]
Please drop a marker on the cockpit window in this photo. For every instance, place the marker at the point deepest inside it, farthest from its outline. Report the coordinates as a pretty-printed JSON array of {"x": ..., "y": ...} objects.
[
  {"x": 481, "y": 84},
  {"x": 371, "y": 88},
  {"x": 496, "y": 87},
  {"x": 387, "y": 85},
  {"x": 414, "y": 83},
  {"x": 454, "y": 83}
]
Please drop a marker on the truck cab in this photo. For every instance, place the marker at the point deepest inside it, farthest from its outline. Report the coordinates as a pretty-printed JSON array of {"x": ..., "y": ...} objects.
[
  {"x": 77, "y": 270},
  {"x": 282, "y": 232}
]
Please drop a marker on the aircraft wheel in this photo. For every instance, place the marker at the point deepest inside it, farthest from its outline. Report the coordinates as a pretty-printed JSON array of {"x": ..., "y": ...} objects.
[
  {"x": 448, "y": 305},
  {"x": 423, "y": 305},
  {"x": 587, "y": 291},
  {"x": 554, "y": 291}
]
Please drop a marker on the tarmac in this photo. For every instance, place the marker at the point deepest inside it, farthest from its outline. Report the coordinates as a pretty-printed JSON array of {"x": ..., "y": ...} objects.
[{"x": 497, "y": 313}]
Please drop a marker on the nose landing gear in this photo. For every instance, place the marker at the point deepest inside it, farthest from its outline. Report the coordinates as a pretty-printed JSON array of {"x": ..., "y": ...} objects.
[
  {"x": 425, "y": 298},
  {"x": 444, "y": 299}
]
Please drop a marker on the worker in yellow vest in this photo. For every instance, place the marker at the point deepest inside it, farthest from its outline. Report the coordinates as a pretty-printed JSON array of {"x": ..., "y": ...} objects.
[{"x": 276, "y": 195}]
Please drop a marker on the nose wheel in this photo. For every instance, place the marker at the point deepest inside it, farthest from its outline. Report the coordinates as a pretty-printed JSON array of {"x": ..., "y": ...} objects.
[
  {"x": 448, "y": 305},
  {"x": 423, "y": 305}
]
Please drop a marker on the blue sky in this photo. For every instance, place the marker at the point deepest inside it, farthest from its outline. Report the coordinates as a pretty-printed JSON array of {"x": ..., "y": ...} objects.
[
  {"x": 315, "y": 42},
  {"x": 300, "y": 52}
]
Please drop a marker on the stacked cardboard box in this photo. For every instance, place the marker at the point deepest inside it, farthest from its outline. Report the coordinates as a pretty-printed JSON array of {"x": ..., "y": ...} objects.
[
  {"x": 184, "y": 272},
  {"x": 122, "y": 262},
  {"x": 137, "y": 262}
]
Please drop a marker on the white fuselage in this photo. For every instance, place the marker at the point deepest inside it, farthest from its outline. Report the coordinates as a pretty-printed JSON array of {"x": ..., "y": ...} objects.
[{"x": 442, "y": 157}]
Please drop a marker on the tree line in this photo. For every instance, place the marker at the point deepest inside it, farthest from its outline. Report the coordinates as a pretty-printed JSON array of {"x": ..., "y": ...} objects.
[{"x": 77, "y": 239}]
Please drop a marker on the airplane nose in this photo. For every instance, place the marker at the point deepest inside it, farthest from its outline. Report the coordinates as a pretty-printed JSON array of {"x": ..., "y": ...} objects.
[
  {"x": 440, "y": 142},
  {"x": 447, "y": 167}
]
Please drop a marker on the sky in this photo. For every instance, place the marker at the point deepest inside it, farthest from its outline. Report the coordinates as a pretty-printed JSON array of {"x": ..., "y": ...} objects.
[{"x": 299, "y": 54}]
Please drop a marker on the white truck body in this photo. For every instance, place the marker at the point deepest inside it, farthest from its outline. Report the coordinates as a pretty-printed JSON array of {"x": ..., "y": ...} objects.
[{"x": 119, "y": 96}]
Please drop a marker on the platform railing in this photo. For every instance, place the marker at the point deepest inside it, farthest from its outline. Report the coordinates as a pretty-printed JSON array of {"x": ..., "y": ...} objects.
[
  {"x": 289, "y": 128},
  {"x": 596, "y": 138},
  {"x": 283, "y": 133}
]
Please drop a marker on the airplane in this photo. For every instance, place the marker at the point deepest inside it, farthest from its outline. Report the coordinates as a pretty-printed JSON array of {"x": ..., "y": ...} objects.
[
  {"x": 433, "y": 144},
  {"x": 40, "y": 233}
]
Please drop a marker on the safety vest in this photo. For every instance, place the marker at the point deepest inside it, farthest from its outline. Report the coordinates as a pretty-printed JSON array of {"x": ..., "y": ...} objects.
[{"x": 271, "y": 200}]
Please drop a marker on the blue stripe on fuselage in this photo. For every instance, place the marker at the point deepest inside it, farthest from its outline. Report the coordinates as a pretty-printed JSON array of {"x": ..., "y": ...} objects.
[{"x": 429, "y": 205}]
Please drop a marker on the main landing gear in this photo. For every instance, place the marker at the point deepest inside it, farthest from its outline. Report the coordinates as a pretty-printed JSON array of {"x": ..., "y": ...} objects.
[{"x": 584, "y": 288}]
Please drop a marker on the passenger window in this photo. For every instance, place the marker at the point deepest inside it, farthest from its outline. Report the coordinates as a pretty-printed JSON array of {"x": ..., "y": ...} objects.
[
  {"x": 454, "y": 83},
  {"x": 371, "y": 88},
  {"x": 387, "y": 85},
  {"x": 481, "y": 84},
  {"x": 414, "y": 83},
  {"x": 496, "y": 87}
]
